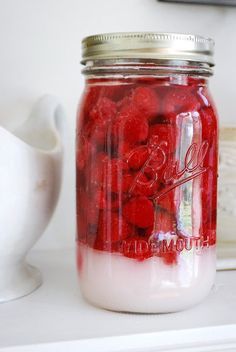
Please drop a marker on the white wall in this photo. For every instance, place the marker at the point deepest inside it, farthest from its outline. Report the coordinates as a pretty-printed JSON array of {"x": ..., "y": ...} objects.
[{"x": 40, "y": 52}]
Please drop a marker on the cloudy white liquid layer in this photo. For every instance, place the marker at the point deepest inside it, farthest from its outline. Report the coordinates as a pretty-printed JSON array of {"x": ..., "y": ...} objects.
[{"x": 114, "y": 282}]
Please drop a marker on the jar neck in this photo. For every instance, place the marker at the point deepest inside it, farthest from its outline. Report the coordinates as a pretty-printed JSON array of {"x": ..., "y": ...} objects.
[{"x": 155, "y": 68}]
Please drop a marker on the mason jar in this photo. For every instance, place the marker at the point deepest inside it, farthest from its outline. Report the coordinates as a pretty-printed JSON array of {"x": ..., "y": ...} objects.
[{"x": 146, "y": 165}]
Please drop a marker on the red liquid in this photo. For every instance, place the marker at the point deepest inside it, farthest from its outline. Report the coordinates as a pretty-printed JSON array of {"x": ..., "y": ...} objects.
[{"x": 141, "y": 146}]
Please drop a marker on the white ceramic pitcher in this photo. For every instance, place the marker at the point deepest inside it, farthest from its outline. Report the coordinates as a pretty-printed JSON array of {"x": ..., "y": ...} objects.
[{"x": 30, "y": 179}]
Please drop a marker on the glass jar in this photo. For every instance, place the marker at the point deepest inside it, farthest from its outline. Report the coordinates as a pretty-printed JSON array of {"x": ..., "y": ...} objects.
[{"x": 146, "y": 163}]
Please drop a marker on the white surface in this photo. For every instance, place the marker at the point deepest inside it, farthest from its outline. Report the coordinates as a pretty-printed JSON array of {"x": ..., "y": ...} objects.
[
  {"x": 226, "y": 255},
  {"x": 55, "y": 318},
  {"x": 29, "y": 186},
  {"x": 115, "y": 282},
  {"x": 40, "y": 52},
  {"x": 227, "y": 188}
]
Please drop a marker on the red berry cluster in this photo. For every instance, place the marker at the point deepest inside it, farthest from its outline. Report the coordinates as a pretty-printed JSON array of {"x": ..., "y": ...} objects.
[{"x": 120, "y": 165}]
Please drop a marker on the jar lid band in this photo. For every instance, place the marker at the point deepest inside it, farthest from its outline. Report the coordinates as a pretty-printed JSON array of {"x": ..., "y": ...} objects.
[{"x": 148, "y": 45}]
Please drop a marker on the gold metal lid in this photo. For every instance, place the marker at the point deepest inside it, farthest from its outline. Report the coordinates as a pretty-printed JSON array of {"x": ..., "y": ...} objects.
[{"x": 148, "y": 45}]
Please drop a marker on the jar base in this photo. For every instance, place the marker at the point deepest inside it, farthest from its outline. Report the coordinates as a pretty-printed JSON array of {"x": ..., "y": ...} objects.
[
  {"x": 114, "y": 282},
  {"x": 143, "y": 312}
]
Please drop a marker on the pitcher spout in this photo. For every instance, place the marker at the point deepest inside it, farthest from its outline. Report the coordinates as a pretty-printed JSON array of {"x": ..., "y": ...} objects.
[{"x": 44, "y": 129}]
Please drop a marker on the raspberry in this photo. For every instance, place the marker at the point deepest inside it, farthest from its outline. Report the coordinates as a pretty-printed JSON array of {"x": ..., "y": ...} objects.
[
  {"x": 126, "y": 182},
  {"x": 130, "y": 126},
  {"x": 137, "y": 157},
  {"x": 113, "y": 228},
  {"x": 104, "y": 199},
  {"x": 147, "y": 101},
  {"x": 136, "y": 248},
  {"x": 123, "y": 150},
  {"x": 157, "y": 162},
  {"x": 162, "y": 135},
  {"x": 120, "y": 183},
  {"x": 105, "y": 109},
  {"x": 144, "y": 186},
  {"x": 162, "y": 131},
  {"x": 180, "y": 99},
  {"x": 139, "y": 212}
]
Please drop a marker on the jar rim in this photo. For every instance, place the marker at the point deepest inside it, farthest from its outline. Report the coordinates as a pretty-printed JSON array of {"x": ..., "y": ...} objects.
[{"x": 148, "y": 45}]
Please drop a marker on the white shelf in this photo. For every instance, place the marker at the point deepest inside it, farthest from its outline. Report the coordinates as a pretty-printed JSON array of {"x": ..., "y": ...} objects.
[{"x": 55, "y": 318}]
